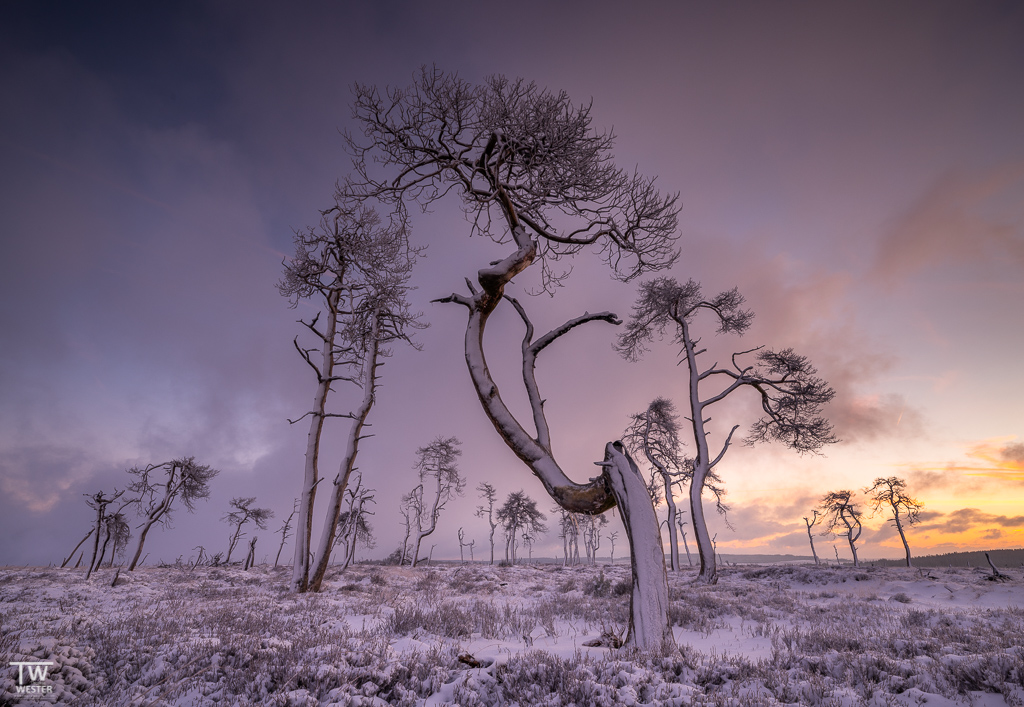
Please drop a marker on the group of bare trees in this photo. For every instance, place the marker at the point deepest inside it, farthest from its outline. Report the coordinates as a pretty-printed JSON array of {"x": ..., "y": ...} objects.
[
  {"x": 841, "y": 516},
  {"x": 155, "y": 491},
  {"x": 439, "y": 482}
]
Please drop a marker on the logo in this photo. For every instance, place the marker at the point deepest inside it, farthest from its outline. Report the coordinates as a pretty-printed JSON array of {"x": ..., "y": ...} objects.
[{"x": 36, "y": 673}]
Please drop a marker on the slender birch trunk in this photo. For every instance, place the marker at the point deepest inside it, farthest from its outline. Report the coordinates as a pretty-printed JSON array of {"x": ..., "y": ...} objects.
[
  {"x": 80, "y": 543},
  {"x": 355, "y": 433},
  {"x": 311, "y": 472}
]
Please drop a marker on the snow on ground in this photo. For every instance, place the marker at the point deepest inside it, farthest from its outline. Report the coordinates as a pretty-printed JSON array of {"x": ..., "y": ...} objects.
[{"x": 483, "y": 635}]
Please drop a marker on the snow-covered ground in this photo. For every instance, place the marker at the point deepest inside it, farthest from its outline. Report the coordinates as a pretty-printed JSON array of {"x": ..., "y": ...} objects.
[{"x": 482, "y": 635}]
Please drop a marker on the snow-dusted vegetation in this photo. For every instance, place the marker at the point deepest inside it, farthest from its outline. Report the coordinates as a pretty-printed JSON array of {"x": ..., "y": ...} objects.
[{"x": 525, "y": 635}]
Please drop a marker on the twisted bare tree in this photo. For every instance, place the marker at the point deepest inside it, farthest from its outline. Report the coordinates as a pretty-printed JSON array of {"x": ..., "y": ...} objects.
[
  {"x": 842, "y": 518},
  {"x": 531, "y": 173},
  {"x": 243, "y": 514},
  {"x": 790, "y": 393},
  {"x": 356, "y": 266},
  {"x": 810, "y": 523},
  {"x": 891, "y": 493},
  {"x": 440, "y": 482},
  {"x": 157, "y": 488}
]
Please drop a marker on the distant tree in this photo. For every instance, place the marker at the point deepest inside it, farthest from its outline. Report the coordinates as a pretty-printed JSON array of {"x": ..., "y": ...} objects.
[
  {"x": 463, "y": 544},
  {"x": 158, "y": 487},
  {"x": 612, "y": 537},
  {"x": 250, "y": 558},
  {"x": 286, "y": 530},
  {"x": 357, "y": 267},
  {"x": 811, "y": 522},
  {"x": 353, "y": 524},
  {"x": 590, "y": 528},
  {"x": 686, "y": 546},
  {"x": 790, "y": 393},
  {"x": 843, "y": 518},
  {"x": 569, "y": 531},
  {"x": 244, "y": 513},
  {"x": 519, "y": 514},
  {"x": 891, "y": 492},
  {"x": 532, "y": 174},
  {"x": 116, "y": 528},
  {"x": 490, "y": 496},
  {"x": 98, "y": 502},
  {"x": 437, "y": 468},
  {"x": 654, "y": 433}
]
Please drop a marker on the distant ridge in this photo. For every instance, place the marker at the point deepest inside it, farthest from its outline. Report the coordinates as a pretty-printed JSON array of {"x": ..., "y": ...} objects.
[{"x": 975, "y": 558}]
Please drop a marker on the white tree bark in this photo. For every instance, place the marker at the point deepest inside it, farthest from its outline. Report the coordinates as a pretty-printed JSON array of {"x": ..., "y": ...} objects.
[
  {"x": 355, "y": 433},
  {"x": 648, "y": 605},
  {"x": 311, "y": 471}
]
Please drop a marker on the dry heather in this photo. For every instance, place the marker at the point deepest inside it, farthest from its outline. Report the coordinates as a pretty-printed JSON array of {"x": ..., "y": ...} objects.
[{"x": 480, "y": 635}]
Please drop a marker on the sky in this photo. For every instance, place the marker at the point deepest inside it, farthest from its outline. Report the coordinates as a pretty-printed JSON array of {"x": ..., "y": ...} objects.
[{"x": 855, "y": 169}]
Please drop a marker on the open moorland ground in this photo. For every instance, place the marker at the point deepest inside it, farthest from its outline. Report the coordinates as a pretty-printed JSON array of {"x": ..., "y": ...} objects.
[{"x": 483, "y": 635}]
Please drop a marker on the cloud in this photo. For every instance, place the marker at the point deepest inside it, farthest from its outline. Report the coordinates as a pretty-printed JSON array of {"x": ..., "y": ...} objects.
[
  {"x": 965, "y": 519},
  {"x": 961, "y": 218}
]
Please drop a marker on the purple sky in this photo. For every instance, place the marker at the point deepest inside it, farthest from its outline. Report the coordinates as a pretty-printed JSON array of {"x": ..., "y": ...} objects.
[{"x": 856, "y": 169}]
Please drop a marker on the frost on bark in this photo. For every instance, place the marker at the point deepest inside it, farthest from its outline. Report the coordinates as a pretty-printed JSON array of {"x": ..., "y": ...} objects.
[
  {"x": 811, "y": 522},
  {"x": 356, "y": 265},
  {"x": 790, "y": 393},
  {"x": 843, "y": 519},
  {"x": 440, "y": 482},
  {"x": 158, "y": 487},
  {"x": 535, "y": 176},
  {"x": 891, "y": 493}
]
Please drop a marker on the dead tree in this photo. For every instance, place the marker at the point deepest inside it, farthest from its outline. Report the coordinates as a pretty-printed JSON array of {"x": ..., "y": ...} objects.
[
  {"x": 790, "y": 393},
  {"x": 158, "y": 487},
  {"x": 534, "y": 176},
  {"x": 353, "y": 526},
  {"x": 80, "y": 543},
  {"x": 590, "y": 528},
  {"x": 116, "y": 528},
  {"x": 686, "y": 546},
  {"x": 440, "y": 481},
  {"x": 655, "y": 434},
  {"x": 519, "y": 514},
  {"x": 891, "y": 492},
  {"x": 250, "y": 558},
  {"x": 244, "y": 513},
  {"x": 843, "y": 518},
  {"x": 568, "y": 530},
  {"x": 98, "y": 502},
  {"x": 488, "y": 494},
  {"x": 356, "y": 266},
  {"x": 285, "y": 531},
  {"x": 811, "y": 522},
  {"x": 612, "y": 537}
]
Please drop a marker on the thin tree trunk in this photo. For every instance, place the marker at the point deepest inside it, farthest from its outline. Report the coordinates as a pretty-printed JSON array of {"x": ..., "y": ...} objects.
[
  {"x": 811, "y": 538},
  {"x": 355, "y": 433},
  {"x": 903, "y": 536},
  {"x": 96, "y": 540},
  {"x": 80, "y": 543},
  {"x": 311, "y": 471}
]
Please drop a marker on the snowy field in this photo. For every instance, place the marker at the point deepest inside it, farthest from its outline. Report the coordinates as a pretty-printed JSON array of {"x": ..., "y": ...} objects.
[{"x": 482, "y": 635}]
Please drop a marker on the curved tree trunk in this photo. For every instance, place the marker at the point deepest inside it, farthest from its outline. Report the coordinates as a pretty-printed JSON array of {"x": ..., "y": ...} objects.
[
  {"x": 649, "y": 627},
  {"x": 903, "y": 536},
  {"x": 648, "y": 603},
  {"x": 810, "y": 537}
]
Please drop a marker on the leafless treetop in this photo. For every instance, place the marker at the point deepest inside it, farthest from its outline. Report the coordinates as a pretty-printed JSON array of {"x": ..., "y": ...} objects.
[{"x": 515, "y": 153}]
